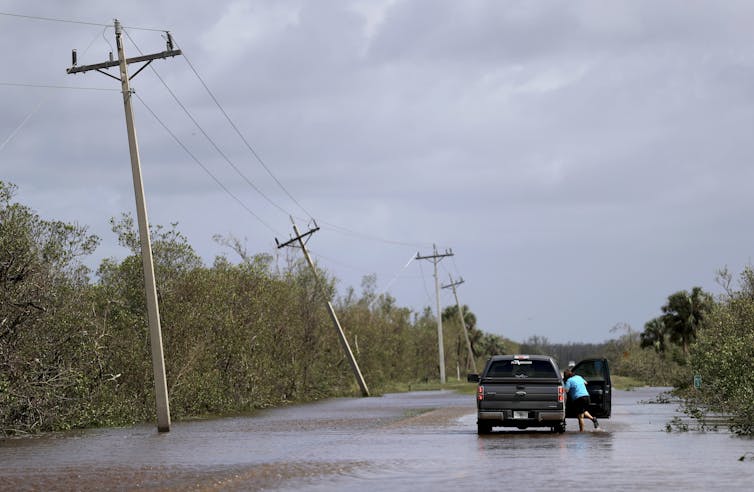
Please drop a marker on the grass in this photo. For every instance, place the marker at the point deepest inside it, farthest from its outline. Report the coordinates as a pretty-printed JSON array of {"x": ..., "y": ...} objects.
[
  {"x": 626, "y": 383},
  {"x": 451, "y": 384}
]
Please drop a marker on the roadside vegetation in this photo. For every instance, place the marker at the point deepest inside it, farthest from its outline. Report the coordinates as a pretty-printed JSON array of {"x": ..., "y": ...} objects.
[
  {"x": 251, "y": 331},
  {"x": 238, "y": 335},
  {"x": 721, "y": 357},
  {"x": 706, "y": 348}
]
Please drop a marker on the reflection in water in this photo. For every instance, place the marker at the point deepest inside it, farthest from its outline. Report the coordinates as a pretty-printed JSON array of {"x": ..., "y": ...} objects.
[{"x": 384, "y": 443}]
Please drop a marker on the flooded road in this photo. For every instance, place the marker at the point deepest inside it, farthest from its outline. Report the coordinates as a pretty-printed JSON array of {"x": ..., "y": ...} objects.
[{"x": 413, "y": 441}]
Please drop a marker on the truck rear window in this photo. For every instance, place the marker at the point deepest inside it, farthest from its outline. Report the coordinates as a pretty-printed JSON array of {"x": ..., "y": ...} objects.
[{"x": 521, "y": 369}]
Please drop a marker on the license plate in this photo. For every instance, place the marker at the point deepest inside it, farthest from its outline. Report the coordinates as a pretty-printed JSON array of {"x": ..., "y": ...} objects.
[{"x": 520, "y": 415}]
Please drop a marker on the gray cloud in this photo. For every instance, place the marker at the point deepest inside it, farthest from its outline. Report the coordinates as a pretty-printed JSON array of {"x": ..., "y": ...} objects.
[{"x": 583, "y": 159}]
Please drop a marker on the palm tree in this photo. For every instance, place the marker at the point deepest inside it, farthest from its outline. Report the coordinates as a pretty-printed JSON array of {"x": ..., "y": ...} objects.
[
  {"x": 451, "y": 314},
  {"x": 683, "y": 314},
  {"x": 654, "y": 335}
]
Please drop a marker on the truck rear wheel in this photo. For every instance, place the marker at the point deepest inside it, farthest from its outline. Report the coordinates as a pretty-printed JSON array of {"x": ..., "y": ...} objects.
[{"x": 560, "y": 428}]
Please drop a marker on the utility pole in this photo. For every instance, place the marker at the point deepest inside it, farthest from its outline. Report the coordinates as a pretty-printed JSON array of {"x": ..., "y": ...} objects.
[
  {"x": 339, "y": 329},
  {"x": 453, "y": 285},
  {"x": 436, "y": 258},
  {"x": 153, "y": 312}
]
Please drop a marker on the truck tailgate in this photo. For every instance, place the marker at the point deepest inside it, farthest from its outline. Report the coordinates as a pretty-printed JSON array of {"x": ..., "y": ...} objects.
[{"x": 516, "y": 395}]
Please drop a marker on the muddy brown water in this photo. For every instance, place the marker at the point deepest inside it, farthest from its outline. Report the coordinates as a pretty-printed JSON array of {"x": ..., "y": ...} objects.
[{"x": 411, "y": 441}]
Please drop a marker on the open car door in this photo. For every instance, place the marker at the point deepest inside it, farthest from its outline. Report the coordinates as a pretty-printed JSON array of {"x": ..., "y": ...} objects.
[{"x": 596, "y": 372}]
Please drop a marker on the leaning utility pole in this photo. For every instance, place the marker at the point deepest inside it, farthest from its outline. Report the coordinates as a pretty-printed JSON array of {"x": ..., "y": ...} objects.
[
  {"x": 435, "y": 259},
  {"x": 153, "y": 312},
  {"x": 341, "y": 335},
  {"x": 453, "y": 285}
]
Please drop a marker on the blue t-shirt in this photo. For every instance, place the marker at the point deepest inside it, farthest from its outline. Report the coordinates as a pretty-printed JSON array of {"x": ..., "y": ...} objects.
[{"x": 576, "y": 385}]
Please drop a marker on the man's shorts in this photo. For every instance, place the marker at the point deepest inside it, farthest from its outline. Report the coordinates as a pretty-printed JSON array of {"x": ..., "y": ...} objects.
[{"x": 581, "y": 404}]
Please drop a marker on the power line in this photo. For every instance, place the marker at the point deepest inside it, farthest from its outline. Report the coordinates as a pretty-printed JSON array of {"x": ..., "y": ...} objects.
[
  {"x": 51, "y": 19},
  {"x": 72, "y": 21},
  {"x": 43, "y": 100},
  {"x": 210, "y": 140},
  {"x": 243, "y": 138},
  {"x": 361, "y": 235},
  {"x": 339, "y": 229},
  {"x": 453, "y": 259},
  {"x": 339, "y": 263},
  {"x": 447, "y": 270},
  {"x": 52, "y": 86},
  {"x": 196, "y": 160},
  {"x": 334, "y": 227},
  {"x": 424, "y": 282}
]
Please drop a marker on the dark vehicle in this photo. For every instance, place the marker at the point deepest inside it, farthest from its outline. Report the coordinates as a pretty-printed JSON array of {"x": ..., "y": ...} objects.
[
  {"x": 526, "y": 391},
  {"x": 520, "y": 391}
]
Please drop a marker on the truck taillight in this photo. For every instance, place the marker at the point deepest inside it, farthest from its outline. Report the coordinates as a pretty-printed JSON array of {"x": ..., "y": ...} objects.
[
  {"x": 561, "y": 394},
  {"x": 480, "y": 393}
]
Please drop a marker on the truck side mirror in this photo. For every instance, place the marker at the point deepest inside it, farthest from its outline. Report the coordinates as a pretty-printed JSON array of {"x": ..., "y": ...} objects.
[{"x": 472, "y": 378}]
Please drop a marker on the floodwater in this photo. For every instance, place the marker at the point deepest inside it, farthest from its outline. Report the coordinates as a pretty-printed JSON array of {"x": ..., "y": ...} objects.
[{"x": 411, "y": 441}]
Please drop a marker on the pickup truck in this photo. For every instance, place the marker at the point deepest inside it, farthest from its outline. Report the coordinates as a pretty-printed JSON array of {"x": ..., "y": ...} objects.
[{"x": 527, "y": 391}]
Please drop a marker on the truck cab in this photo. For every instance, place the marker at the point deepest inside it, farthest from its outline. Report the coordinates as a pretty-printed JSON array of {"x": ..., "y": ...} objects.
[{"x": 519, "y": 391}]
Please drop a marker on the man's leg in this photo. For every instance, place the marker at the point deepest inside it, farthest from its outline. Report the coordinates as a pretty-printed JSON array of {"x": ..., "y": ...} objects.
[
  {"x": 594, "y": 420},
  {"x": 581, "y": 422}
]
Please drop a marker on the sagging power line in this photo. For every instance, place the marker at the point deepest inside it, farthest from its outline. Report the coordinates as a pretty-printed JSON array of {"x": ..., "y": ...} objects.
[
  {"x": 111, "y": 63},
  {"x": 257, "y": 156},
  {"x": 205, "y": 168},
  {"x": 212, "y": 141},
  {"x": 243, "y": 138}
]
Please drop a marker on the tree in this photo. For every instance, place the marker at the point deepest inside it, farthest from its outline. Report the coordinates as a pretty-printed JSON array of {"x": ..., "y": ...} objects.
[
  {"x": 47, "y": 351},
  {"x": 722, "y": 355},
  {"x": 490, "y": 344},
  {"x": 537, "y": 344},
  {"x": 654, "y": 335},
  {"x": 451, "y": 314},
  {"x": 683, "y": 314}
]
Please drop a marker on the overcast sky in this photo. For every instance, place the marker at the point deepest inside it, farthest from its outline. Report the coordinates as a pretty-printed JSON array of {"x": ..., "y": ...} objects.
[{"x": 583, "y": 159}]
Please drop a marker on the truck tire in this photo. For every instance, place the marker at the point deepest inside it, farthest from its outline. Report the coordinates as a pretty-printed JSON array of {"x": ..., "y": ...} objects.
[
  {"x": 483, "y": 428},
  {"x": 560, "y": 428}
]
